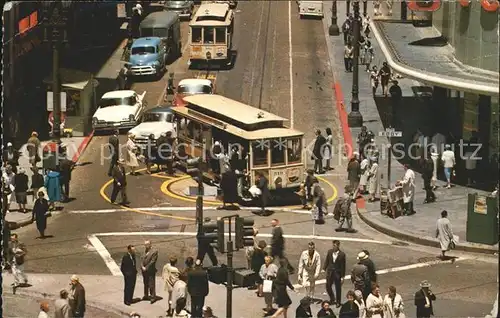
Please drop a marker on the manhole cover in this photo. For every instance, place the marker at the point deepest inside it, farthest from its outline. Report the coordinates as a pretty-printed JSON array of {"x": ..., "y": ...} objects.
[{"x": 400, "y": 243}]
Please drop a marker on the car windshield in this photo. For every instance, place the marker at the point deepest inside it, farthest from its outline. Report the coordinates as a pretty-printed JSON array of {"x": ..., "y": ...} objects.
[
  {"x": 141, "y": 50},
  {"x": 154, "y": 117},
  {"x": 106, "y": 102},
  {"x": 194, "y": 89}
]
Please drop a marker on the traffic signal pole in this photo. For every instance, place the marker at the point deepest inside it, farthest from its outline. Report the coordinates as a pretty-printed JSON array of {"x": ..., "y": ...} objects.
[
  {"x": 229, "y": 285},
  {"x": 199, "y": 204}
]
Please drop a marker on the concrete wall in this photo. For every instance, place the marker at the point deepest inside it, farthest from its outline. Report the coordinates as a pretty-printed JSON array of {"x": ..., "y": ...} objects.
[{"x": 472, "y": 31}]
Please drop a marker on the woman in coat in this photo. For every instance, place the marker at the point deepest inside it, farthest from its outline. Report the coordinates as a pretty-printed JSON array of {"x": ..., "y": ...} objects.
[
  {"x": 180, "y": 289},
  {"x": 53, "y": 186},
  {"x": 375, "y": 303},
  {"x": 131, "y": 156},
  {"x": 268, "y": 271},
  {"x": 280, "y": 284},
  {"x": 393, "y": 304},
  {"x": 365, "y": 173},
  {"x": 374, "y": 179},
  {"x": 40, "y": 209},
  {"x": 170, "y": 276}
]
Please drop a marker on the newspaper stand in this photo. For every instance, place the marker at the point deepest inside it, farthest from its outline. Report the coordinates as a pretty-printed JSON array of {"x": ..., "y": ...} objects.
[{"x": 396, "y": 203}]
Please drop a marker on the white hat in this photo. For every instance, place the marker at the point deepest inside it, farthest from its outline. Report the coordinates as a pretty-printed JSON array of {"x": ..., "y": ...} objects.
[
  {"x": 358, "y": 293},
  {"x": 362, "y": 255},
  {"x": 198, "y": 262},
  {"x": 21, "y": 170},
  {"x": 9, "y": 144},
  {"x": 75, "y": 278}
]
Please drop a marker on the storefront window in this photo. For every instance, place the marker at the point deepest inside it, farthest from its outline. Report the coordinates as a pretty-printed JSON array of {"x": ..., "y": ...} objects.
[
  {"x": 294, "y": 150},
  {"x": 278, "y": 152},
  {"x": 208, "y": 35},
  {"x": 220, "y": 35},
  {"x": 259, "y": 153}
]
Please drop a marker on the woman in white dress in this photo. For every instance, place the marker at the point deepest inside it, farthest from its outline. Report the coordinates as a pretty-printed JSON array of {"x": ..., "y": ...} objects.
[
  {"x": 365, "y": 172},
  {"x": 435, "y": 160},
  {"x": 132, "y": 161},
  {"x": 375, "y": 303},
  {"x": 374, "y": 179},
  {"x": 328, "y": 153},
  {"x": 393, "y": 304}
]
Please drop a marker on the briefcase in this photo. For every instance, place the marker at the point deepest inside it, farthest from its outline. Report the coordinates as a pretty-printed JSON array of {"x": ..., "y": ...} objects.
[
  {"x": 217, "y": 274},
  {"x": 245, "y": 277}
]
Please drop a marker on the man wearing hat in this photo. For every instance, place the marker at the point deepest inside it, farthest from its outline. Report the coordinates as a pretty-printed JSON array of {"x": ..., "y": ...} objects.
[
  {"x": 10, "y": 157},
  {"x": 360, "y": 277},
  {"x": 119, "y": 182},
  {"x": 423, "y": 300},
  {"x": 197, "y": 286},
  {"x": 77, "y": 297},
  {"x": 33, "y": 148}
]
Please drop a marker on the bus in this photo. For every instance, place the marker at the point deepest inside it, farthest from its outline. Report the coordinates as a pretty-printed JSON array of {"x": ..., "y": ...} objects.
[
  {"x": 265, "y": 145},
  {"x": 210, "y": 34}
]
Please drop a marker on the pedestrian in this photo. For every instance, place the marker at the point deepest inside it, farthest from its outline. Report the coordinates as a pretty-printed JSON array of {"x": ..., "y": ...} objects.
[
  {"x": 366, "y": 27},
  {"x": 119, "y": 183},
  {"x": 263, "y": 185},
  {"x": 170, "y": 276},
  {"x": 427, "y": 174},
  {"x": 18, "y": 251},
  {"x": 114, "y": 150},
  {"x": 77, "y": 298},
  {"x": 385, "y": 76},
  {"x": 372, "y": 272},
  {"x": 197, "y": 285},
  {"x": 20, "y": 189},
  {"x": 368, "y": 55},
  {"x": 348, "y": 56},
  {"x": 8, "y": 187},
  {"x": 423, "y": 300},
  {"x": 180, "y": 309},
  {"x": 346, "y": 30},
  {"x": 396, "y": 93},
  {"x": 257, "y": 260},
  {"x": 360, "y": 277},
  {"x": 229, "y": 187},
  {"x": 375, "y": 303},
  {"x": 282, "y": 281},
  {"x": 40, "y": 210},
  {"x": 129, "y": 270},
  {"x": 354, "y": 174},
  {"x": 170, "y": 86},
  {"x": 349, "y": 309},
  {"x": 53, "y": 187},
  {"x": 180, "y": 290},
  {"x": 376, "y": 7},
  {"x": 267, "y": 273},
  {"x": 44, "y": 309},
  {"x": 131, "y": 160},
  {"x": 359, "y": 301},
  {"x": 319, "y": 146},
  {"x": 189, "y": 264},
  {"x": 335, "y": 264},
  {"x": 33, "y": 148},
  {"x": 444, "y": 234},
  {"x": 66, "y": 167},
  {"x": 61, "y": 305},
  {"x": 435, "y": 162},
  {"x": 374, "y": 79},
  {"x": 148, "y": 269},
  {"x": 342, "y": 211},
  {"x": 278, "y": 244},
  {"x": 309, "y": 268},
  {"x": 304, "y": 309},
  {"x": 393, "y": 304},
  {"x": 325, "y": 310},
  {"x": 374, "y": 179},
  {"x": 10, "y": 156},
  {"x": 308, "y": 183},
  {"x": 151, "y": 155},
  {"x": 37, "y": 182},
  {"x": 319, "y": 201},
  {"x": 408, "y": 184},
  {"x": 303, "y": 196},
  {"x": 328, "y": 149},
  {"x": 122, "y": 81},
  {"x": 448, "y": 159},
  {"x": 364, "y": 166}
]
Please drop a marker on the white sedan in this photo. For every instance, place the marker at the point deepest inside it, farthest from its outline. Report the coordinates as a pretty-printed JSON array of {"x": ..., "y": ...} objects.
[{"x": 118, "y": 110}]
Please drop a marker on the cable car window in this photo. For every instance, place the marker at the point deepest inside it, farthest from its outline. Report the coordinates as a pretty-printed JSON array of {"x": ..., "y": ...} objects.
[
  {"x": 195, "y": 35},
  {"x": 220, "y": 35},
  {"x": 208, "y": 35},
  {"x": 259, "y": 154},
  {"x": 294, "y": 150},
  {"x": 278, "y": 152}
]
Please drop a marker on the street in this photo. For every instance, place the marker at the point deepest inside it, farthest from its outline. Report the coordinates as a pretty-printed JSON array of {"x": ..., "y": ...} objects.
[{"x": 282, "y": 65}]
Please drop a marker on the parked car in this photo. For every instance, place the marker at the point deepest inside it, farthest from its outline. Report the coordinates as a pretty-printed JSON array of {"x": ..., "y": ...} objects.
[
  {"x": 148, "y": 56},
  {"x": 191, "y": 86},
  {"x": 154, "y": 121},
  {"x": 184, "y": 8},
  {"x": 118, "y": 110}
]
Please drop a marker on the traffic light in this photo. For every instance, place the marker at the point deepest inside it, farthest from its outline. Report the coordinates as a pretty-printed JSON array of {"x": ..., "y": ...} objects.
[
  {"x": 193, "y": 168},
  {"x": 424, "y": 5},
  {"x": 213, "y": 233},
  {"x": 244, "y": 232}
]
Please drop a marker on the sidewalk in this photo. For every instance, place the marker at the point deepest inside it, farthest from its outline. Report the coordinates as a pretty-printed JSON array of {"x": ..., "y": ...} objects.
[
  {"x": 75, "y": 147},
  {"x": 421, "y": 226}
]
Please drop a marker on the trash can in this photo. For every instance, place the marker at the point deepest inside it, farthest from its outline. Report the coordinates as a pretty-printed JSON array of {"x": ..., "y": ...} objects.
[{"x": 482, "y": 219}]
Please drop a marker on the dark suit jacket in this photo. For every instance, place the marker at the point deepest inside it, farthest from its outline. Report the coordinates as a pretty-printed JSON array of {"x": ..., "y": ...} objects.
[
  {"x": 371, "y": 269},
  {"x": 277, "y": 240},
  {"x": 118, "y": 174},
  {"x": 318, "y": 146},
  {"x": 263, "y": 185},
  {"x": 338, "y": 266},
  {"x": 149, "y": 261},
  {"x": 420, "y": 304},
  {"x": 129, "y": 265},
  {"x": 114, "y": 143},
  {"x": 197, "y": 282},
  {"x": 78, "y": 307},
  {"x": 302, "y": 312}
]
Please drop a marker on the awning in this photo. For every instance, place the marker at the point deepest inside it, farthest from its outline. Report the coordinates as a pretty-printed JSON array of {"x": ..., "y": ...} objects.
[
  {"x": 71, "y": 79},
  {"x": 434, "y": 65}
]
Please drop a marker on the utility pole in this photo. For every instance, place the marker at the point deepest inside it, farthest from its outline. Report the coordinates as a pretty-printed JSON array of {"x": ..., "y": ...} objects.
[
  {"x": 348, "y": 7},
  {"x": 334, "y": 30},
  {"x": 355, "y": 119},
  {"x": 365, "y": 7},
  {"x": 230, "y": 275}
]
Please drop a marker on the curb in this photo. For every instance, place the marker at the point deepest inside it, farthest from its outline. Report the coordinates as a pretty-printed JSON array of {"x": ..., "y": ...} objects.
[
  {"x": 100, "y": 306},
  {"x": 405, "y": 236},
  {"x": 82, "y": 147},
  {"x": 339, "y": 101}
]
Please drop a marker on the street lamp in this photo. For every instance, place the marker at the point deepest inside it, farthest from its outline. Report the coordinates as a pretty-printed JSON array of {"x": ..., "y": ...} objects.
[
  {"x": 348, "y": 7},
  {"x": 355, "y": 119},
  {"x": 334, "y": 28},
  {"x": 365, "y": 7},
  {"x": 55, "y": 24}
]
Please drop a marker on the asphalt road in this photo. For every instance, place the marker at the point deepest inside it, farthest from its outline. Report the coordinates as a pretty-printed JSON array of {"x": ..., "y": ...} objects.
[{"x": 260, "y": 77}]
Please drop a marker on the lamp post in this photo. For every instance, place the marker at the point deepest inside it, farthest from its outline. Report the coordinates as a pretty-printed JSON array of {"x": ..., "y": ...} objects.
[
  {"x": 365, "y": 7},
  {"x": 334, "y": 28},
  {"x": 55, "y": 19},
  {"x": 348, "y": 7},
  {"x": 355, "y": 119}
]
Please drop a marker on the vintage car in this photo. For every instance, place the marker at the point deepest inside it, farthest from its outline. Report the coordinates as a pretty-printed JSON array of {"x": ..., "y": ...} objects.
[
  {"x": 183, "y": 8},
  {"x": 191, "y": 86},
  {"x": 155, "y": 121},
  {"x": 148, "y": 57},
  {"x": 118, "y": 110},
  {"x": 232, "y": 4}
]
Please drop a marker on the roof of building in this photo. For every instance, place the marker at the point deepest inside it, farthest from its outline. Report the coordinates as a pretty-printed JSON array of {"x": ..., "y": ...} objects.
[
  {"x": 212, "y": 14},
  {"x": 195, "y": 81},
  {"x": 435, "y": 65},
  {"x": 235, "y": 110},
  {"x": 149, "y": 41},
  {"x": 119, "y": 94},
  {"x": 160, "y": 19}
]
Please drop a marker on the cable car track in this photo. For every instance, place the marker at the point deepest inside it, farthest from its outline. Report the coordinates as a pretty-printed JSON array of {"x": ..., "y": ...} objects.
[{"x": 264, "y": 58}]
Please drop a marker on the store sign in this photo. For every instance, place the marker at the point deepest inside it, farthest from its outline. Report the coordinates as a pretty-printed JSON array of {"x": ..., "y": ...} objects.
[
  {"x": 424, "y": 6},
  {"x": 26, "y": 45},
  {"x": 28, "y": 22},
  {"x": 490, "y": 5}
]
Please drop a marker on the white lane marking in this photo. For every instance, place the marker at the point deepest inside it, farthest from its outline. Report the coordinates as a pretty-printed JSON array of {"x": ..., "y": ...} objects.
[
  {"x": 106, "y": 257},
  {"x": 393, "y": 270},
  {"x": 291, "y": 236},
  {"x": 252, "y": 77},
  {"x": 290, "y": 60},
  {"x": 179, "y": 209}
]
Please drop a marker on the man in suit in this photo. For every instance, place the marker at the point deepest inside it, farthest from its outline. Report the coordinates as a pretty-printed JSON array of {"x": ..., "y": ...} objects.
[
  {"x": 423, "y": 300},
  {"x": 114, "y": 149},
  {"x": 66, "y": 166},
  {"x": 372, "y": 272},
  {"x": 129, "y": 271},
  {"x": 119, "y": 183},
  {"x": 278, "y": 244},
  {"x": 263, "y": 185},
  {"x": 148, "y": 269},
  {"x": 335, "y": 272},
  {"x": 197, "y": 286},
  {"x": 77, "y": 298},
  {"x": 319, "y": 147}
]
